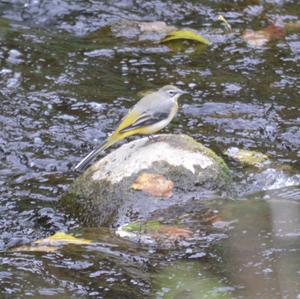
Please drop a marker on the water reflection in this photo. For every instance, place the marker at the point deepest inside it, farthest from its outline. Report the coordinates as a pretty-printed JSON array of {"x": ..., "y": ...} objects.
[{"x": 259, "y": 259}]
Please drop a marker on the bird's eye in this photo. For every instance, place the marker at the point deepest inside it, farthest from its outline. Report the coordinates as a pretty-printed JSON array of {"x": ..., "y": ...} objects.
[{"x": 172, "y": 93}]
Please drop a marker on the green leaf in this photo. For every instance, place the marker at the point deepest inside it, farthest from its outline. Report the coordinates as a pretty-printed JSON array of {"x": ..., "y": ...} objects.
[{"x": 185, "y": 34}]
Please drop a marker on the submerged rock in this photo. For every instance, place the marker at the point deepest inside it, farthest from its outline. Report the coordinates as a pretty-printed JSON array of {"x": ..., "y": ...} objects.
[
  {"x": 247, "y": 157},
  {"x": 144, "y": 176},
  {"x": 155, "y": 30}
]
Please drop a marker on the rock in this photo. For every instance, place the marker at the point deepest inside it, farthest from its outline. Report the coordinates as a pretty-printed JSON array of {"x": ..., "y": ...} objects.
[
  {"x": 106, "y": 193},
  {"x": 247, "y": 157},
  {"x": 155, "y": 30},
  {"x": 180, "y": 226}
]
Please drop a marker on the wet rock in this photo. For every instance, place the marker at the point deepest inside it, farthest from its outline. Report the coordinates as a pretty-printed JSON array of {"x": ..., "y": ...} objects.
[
  {"x": 154, "y": 31},
  {"x": 179, "y": 226},
  {"x": 143, "y": 30},
  {"x": 104, "y": 195},
  {"x": 103, "y": 53},
  {"x": 14, "y": 56},
  {"x": 247, "y": 157}
]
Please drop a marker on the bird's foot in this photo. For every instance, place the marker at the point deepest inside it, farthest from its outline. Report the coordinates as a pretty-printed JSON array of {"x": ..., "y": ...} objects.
[{"x": 153, "y": 138}]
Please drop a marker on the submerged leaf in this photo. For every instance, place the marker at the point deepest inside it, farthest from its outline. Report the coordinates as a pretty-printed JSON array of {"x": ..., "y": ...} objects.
[
  {"x": 37, "y": 248},
  {"x": 52, "y": 243},
  {"x": 261, "y": 37},
  {"x": 62, "y": 238},
  {"x": 175, "y": 232},
  {"x": 256, "y": 38},
  {"x": 187, "y": 35},
  {"x": 275, "y": 30}
]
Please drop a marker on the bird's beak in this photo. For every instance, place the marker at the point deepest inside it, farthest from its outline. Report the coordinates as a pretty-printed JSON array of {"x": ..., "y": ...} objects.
[{"x": 183, "y": 92}]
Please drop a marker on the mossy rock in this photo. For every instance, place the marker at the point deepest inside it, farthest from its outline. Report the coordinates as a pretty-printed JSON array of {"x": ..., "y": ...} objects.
[{"x": 104, "y": 194}]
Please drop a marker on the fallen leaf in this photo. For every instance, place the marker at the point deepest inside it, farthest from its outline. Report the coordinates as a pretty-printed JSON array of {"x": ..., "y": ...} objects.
[
  {"x": 154, "y": 184},
  {"x": 187, "y": 35},
  {"x": 261, "y": 37},
  {"x": 275, "y": 30},
  {"x": 60, "y": 238},
  {"x": 213, "y": 218},
  {"x": 255, "y": 38},
  {"x": 36, "y": 248},
  {"x": 175, "y": 232},
  {"x": 52, "y": 243}
]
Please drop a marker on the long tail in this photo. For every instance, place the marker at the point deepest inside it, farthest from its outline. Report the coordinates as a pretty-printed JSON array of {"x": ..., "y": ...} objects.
[{"x": 86, "y": 160}]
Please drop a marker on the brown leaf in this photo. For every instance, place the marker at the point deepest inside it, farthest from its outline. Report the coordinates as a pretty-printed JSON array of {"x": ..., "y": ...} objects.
[
  {"x": 255, "y": 38},
  {"x": 213, "y": 218},
  {"x": 261, "y": 37},
  {"x": 175, "y": 232},
  {"x": 275, "y": 31},
  {"x": 154, "y": 184}
]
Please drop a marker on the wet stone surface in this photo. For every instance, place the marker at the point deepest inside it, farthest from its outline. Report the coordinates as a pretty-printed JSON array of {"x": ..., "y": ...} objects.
[
  {"x": 104, "y": 195},
  {"x": 66, "y": 81}
]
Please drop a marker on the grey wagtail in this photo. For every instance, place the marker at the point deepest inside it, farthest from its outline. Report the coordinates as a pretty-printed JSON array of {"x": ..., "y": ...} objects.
[{"x": 149, "y": 115}]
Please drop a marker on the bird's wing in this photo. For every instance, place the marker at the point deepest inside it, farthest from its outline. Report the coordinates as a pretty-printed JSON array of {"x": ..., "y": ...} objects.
[{"x": 143, "y": 120}]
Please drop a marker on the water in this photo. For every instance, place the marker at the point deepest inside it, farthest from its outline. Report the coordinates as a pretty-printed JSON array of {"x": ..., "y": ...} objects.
[{"x": 66, "y": 80}]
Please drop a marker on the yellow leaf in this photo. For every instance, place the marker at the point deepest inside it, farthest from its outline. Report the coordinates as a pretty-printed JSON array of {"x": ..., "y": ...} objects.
[
  {"x": 61, "y": 237},
  {"x": 35, "y": 249},
  {"x": 52, "y": 243},
  {"x": 186, "y": 34}
]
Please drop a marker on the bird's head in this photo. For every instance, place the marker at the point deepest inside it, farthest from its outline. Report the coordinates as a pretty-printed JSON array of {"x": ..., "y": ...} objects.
[{"x": 171, "y": 91}]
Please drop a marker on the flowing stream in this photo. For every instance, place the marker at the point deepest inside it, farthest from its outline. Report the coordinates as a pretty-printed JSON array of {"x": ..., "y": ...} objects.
[{"x": 67, "y": 76}]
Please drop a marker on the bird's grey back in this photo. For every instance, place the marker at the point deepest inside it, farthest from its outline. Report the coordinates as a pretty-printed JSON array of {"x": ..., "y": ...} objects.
[{"x": 155, "y": 101}]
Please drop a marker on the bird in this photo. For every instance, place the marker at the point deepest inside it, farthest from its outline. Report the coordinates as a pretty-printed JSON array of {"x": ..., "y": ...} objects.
[{"x": 149, "y": 115}]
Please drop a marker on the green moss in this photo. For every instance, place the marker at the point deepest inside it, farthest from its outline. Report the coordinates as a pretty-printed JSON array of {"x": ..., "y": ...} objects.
[
  {"x": 211, "y": 154},
  {"x": 151, "y": 225}
]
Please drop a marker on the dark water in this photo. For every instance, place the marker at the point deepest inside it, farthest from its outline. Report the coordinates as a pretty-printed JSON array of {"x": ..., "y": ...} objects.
[{"x": 66, "y": 80}]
